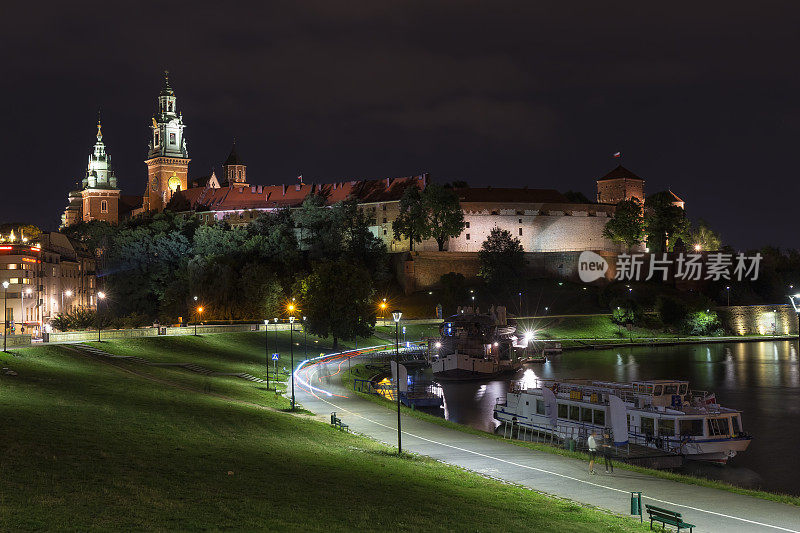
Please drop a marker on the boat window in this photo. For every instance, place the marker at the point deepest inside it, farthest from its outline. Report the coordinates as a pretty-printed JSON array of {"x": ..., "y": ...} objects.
[
  {"x": 648, "y": 389},
  {"x": 574, "y": 412},
  {"x": 629, "y": 422},
  {"x": 666, "y": 427},
  {"x": 599, "y": 417},
  {"x": 539, "y": 407},
  {"x": 562, "y": 410},
  {"x": 736, "y": 427},
  {"x": 648, "y": 425},
  {"x": 683, "y": 389},
  {"x": 718, "y": 426},
  {"x": 657, "y": 391},
  {"x": 670, "y": 389},
  {"x": 586, "y": 415},
  {"x": 692, "y": 427}
]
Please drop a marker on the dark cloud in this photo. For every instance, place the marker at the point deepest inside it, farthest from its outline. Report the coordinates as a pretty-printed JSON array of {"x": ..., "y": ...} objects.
[{"x": 700, "y": 97}]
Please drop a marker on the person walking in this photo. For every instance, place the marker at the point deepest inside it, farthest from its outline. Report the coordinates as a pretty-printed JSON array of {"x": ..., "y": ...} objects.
[
  {"x": 592, "y": 443},
  {"x": 607, "y": 453}
]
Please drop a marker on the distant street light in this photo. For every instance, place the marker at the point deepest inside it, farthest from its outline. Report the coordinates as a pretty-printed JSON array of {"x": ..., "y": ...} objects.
[
  {"x": 100, "y": 297},
  {"x": 276, "y": 350},
  {"x": 728, "y": 288},
  {"x": 5, "y": 318},
  {"x": 397, "y": 315},
  {"x": 199, "y": 314},
  {"x": 291, "y": 352}
]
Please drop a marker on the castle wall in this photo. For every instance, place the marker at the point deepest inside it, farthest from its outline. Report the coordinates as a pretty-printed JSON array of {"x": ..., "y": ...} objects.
[
  {"x": 759, "y": 319},
  {"x": 613, "y": 191}
]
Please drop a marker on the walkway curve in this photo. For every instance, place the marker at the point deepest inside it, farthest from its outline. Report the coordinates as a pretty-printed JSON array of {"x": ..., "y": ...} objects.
[{"x": 710, "y": 509}]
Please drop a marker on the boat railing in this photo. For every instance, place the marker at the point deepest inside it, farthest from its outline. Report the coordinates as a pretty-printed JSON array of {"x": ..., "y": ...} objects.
[{"x": 565, "y": 387}]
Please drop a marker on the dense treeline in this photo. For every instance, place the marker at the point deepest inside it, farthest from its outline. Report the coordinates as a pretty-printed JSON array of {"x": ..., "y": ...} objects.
[{"x": 326, "y": 257}]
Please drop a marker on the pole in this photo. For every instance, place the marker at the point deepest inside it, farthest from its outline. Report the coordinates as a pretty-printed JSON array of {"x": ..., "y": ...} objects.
[
  {"x": 397, "y": 382},
  {"x": 98, "y": 317},
  {"x": 195, "y": 326},
  {"x": 291, "y": 355},
  {"x": 5, "y": 318},
  {"x": 266, "y": 348}
]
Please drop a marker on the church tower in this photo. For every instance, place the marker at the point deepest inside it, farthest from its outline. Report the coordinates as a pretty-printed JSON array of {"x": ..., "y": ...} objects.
[
  {"x": 234, "y": 171},
  {"x": 97, "y": 197},
  {"x": 168, "y": 159}
]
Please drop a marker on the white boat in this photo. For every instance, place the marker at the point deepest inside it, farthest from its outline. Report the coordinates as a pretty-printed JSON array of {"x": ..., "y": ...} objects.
[{"x": 659, "y": 414}]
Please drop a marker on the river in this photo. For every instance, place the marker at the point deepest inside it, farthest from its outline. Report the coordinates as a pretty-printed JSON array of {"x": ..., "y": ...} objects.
[{"x": 760, "y": 378}]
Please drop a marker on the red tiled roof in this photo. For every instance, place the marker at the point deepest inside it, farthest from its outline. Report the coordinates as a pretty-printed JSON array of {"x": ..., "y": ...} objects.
[
  {"x": 508, "y": 195},
  {"x": 275, "y": 196},
  {"x": 619, "y": 172}
]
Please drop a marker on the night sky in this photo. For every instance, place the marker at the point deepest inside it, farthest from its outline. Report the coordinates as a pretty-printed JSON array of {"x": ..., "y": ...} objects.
[{"x": 699, "y": 97}]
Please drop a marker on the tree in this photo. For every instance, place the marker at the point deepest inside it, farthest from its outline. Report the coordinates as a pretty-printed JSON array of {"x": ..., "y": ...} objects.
[
  {"x": 702, "y": 237},
  {"x": 502, "y": 260},
  {"x": 454, "y": 289},
  {"x": 627, "y": 224},
  {"x": 576, "y": 197},
  {"x": 337, "y": 300},
  {"x": 665, "y": 222},
  {"x": 445, "y": 218},
  {"x": 412, "y": 222}
]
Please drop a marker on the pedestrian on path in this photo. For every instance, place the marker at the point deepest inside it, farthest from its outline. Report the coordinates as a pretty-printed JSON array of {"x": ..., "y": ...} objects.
[
  {"x": 607, "y": 452},
  {"x": 592, "y": 443}
]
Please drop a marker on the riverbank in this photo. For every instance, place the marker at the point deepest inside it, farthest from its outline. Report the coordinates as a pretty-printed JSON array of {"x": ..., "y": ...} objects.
[
  {"x": 98, "y": 443},
  {"x": 361, "y": 371}
]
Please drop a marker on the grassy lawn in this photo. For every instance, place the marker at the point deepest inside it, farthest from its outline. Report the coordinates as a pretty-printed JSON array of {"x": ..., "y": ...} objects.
[{"x": 89, "y": 446}]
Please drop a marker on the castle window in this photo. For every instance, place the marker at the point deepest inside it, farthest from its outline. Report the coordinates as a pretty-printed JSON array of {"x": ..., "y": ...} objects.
[
  {"x": 467, "y": 236},
  {"x": 384, "y": 232},
  {"x": 520, "y": 231},
  {"x": 494, "y": 212},
  {"x": 467, "y": 225},
  {"x": 172, "y": 138},
  {"x": 383, "y": 207},
  {"x": 384, "y": 220},
  {"x": 104, "y": 206},
  {"x": 520, "y": 221}
]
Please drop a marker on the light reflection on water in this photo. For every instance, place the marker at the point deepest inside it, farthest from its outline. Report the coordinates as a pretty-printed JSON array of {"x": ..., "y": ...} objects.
[{"x": 762, "y": 379}]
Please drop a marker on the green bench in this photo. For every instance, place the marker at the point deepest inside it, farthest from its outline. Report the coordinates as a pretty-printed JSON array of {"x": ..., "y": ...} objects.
[
  {"x": 337, "y": 422},
  {"x": 665, "y": 516}
]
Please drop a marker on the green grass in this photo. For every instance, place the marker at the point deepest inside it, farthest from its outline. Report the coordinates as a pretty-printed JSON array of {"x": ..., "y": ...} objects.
[
  {"x": 87, "y": 446},
  {"x": 362, "y": 372}
]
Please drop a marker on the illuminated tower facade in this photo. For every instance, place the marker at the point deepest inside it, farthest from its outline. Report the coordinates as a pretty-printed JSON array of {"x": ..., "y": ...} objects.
[
  {"x": 97, "y": 197},
  {"x": 168, "y": 159}
]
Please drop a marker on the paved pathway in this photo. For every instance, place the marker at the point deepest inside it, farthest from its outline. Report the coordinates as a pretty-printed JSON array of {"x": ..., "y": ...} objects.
[{"x": 319, "y": 390}]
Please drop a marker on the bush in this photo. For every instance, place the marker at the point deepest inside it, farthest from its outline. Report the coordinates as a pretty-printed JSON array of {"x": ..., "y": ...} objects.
[
  {"x": 671, "y": 311},
  {"x": 626, "y": 311},
  {"x": 704, "y": 323}
]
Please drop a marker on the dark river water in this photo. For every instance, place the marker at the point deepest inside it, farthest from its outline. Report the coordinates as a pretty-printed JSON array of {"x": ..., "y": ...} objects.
[{"x": 760, "y": 378}]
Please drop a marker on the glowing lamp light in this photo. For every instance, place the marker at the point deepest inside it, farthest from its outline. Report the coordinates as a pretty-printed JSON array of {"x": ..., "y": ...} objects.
[
  {"x": 68, "y": 294},
  {"x": 199, "y": 309},
  {"x": 101, "y": 295},
  {"x": 438, "y": 345},
  {"x": 697, "y": 247},
  {"x": 5, "y": 284},
  {"x": 291, "y": 320},
  {"x": 397, "y": 315}
]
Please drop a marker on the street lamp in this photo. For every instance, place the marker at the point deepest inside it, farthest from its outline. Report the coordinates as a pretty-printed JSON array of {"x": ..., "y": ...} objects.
[
  {"x": 199, "y": 314},
  {"x": 276, "y": 348},
  {"x": 100, "y": 296},
  {"x": 728, "y": 288},
  {"x": 266, "y": 348},
  {"x": 382, "y": 305},
  {"x": 291, "y": 350},
  {"x": 397, "y": 315},
  {"x": 5, "y": 318},
  {"x": 305, "y": 340},
  {"x": 795, "y": 299}
]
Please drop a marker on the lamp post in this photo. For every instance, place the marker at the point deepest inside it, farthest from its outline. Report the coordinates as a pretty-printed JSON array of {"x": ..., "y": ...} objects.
[
  {"x": 291, "y": 352},
  {"x": 305, "y": 339},
  {"x": 397, "y": 315},
  {"x": 100, "y": 296},
  {"x": 382, "y": 305},
  {"x": 5, "y": 318},
  {"x": 795, "y": 299},
  {"x": 266, "y": 348},
  {"x": 728, "y": 289},
  {"x": 199, "y": 314}
]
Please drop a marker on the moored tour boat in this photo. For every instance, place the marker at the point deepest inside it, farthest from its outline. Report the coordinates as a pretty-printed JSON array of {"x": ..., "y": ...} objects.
[{"x": 659, "y": 414}]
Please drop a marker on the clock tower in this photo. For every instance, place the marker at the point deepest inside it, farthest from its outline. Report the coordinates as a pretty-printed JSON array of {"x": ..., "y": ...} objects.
[{"x": 168, "y": 159}]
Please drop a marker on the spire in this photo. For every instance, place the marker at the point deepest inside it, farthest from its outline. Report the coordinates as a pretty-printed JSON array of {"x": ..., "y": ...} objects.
[
  {"x": 99, "y": 127},
  {"x": 167, "y": 90},
  {"x": 233, "y": 157}
]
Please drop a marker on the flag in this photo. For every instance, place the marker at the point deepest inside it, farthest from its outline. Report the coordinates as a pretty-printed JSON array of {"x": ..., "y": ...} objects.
[
  {"x": 300, "y": 178},
  {"x": 617, "y": 155}
]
